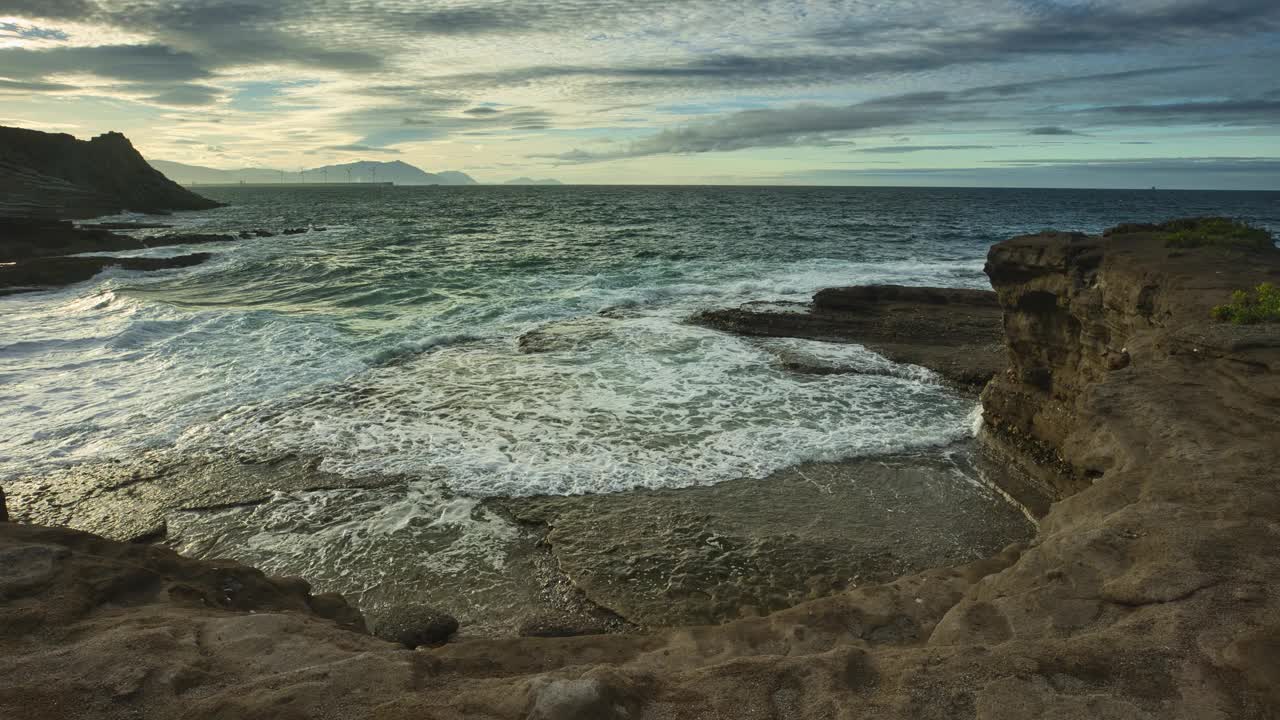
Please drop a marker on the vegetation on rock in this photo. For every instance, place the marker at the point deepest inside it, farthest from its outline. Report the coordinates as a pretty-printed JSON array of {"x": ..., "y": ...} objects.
[
  {"x": 1214, "y": 232},
  {"x": 1260, "y": 306}
]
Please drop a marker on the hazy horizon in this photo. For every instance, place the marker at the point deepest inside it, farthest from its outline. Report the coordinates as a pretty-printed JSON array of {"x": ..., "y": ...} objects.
[{"x": 1176, "y": 94}]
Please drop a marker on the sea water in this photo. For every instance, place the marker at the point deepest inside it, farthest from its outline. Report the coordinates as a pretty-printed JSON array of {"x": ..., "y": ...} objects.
[{"x": 388, "y": 343}]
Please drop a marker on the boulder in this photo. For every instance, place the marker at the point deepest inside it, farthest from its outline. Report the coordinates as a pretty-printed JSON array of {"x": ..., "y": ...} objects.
[{"x": 414, "y": 625}]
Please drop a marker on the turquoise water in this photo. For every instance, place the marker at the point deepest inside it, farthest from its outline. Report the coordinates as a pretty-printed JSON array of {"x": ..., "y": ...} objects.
[{"x": 387, "y": 343}]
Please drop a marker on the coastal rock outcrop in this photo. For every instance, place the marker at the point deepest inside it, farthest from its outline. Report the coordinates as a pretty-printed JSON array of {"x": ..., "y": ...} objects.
[
  {"x": 57, "y": 176},
  {"x": 1150, "y": 590},
  {"x": 955, "y": 332}
]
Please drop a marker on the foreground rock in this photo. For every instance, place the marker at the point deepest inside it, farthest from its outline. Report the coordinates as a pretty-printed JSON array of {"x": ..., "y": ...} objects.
[
  {"x": 1149, "y": 592},
  {"x": 954, "y": 332},
  {"x": 57, "y": 176},
  {"x": 747, "y": 547}
]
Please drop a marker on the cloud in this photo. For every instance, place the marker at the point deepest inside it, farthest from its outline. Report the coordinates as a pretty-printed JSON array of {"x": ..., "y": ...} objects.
[
  {"x": 1052, "y": 130},
  {"x": 355, "y": 149}
]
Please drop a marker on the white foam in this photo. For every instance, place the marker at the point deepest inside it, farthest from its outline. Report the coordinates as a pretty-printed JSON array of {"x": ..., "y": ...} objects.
[
  {"x": 653, "y": 404},
  {"x": 109, "y": 368}
]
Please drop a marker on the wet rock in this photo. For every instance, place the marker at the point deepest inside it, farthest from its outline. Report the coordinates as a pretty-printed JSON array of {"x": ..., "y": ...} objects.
[
  {"x": 414, "y": 625},
  {"x": 954, "y": 332},
  {"x": 187, "y": 239},
  {"x": 4, "y": 508},
  {"x": 294, "y": 231},
  {"x": 46, "y": 272}
]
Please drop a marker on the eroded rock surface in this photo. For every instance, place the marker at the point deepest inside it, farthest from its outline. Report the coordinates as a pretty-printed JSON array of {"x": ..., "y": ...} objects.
[{"x": 1149, "y": 592}]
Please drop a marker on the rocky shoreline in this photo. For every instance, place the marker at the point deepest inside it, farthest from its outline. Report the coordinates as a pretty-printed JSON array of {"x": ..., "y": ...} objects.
[
  {"x": 1148, "y": 591},
  {"x": 38, "y": 254}
]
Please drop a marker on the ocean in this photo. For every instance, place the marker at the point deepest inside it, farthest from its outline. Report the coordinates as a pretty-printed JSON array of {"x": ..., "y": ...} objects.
[{"x": 388, "y": 344}]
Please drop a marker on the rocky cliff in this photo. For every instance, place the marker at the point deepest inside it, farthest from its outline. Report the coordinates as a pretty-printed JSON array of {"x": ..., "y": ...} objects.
[
  {"x": 1150, "y": 590},
  {"x": 56, "y": 175}
]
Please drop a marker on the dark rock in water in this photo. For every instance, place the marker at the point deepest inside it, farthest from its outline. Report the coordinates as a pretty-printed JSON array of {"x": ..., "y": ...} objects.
[
  {"x": 28, "y": 237},
  {"x": 293, "y": 231},
  {"x": 4, "y": 508},
  {"x": 954, "y": 332},
  {"x": 22, "y": 238},
  {"x": 566, "y": 335},
  {"x": 58, "y": 176},
  {"x": 414, "y": 625},
  {"x": 46, "y": 272},
  {"x": 123, "y": 226},
  {"x": 247, "y": 234}
]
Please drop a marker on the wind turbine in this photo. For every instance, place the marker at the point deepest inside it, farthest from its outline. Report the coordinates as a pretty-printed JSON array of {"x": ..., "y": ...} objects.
[
  {"x": 374, "y": 169},
  {"x": 348, "y": 176}
]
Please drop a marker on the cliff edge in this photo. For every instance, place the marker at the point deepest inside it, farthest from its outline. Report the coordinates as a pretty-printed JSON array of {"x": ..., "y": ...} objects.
[
  {"x": 57, "y": 176},
  {"x": 1150, "y": 591}
]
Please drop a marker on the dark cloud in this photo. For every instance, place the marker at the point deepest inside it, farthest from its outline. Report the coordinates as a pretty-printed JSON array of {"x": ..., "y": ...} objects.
[
  {"x": 803, "y": 125},
  {"x": 482, "y": 111},
  {"x": 1185, "y": 172},
  {"x": 187, "y": 95},
  {"x": 897, "y": 149},
  {"x": 50, "y": 9},
  {"x": 1263, "y": 112},
  {"x": 1051, "y": 130},
  {"x": 27, "y": 86},
  {"x": 138, "y": 63},
  {"x": 1076, "y": 29}
]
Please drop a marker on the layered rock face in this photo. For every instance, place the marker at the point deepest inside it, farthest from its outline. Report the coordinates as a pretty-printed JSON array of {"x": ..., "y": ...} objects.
[
  {"x": 1151, "y": 590},
  {"x": 56, "y": 175}
]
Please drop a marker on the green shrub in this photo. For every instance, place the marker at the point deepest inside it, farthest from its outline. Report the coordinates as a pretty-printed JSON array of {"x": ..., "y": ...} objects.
[
  {"x": 1214, "y": 232},
  {"x": 1262, "y": 306}
]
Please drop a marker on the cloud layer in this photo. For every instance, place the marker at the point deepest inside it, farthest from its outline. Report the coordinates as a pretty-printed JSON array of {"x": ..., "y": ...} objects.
[{"x": 594, "y": 86}]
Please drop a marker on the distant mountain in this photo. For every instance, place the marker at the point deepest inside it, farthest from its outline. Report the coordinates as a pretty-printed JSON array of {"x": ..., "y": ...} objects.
[
  {"x": 397, "y": 172},
  {"x": 55, "y": 175},
  {"x": 532, "y": 181}
]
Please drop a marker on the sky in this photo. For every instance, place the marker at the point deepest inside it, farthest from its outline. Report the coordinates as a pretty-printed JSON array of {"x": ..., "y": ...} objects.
[{"x": 1048, "y": 93}]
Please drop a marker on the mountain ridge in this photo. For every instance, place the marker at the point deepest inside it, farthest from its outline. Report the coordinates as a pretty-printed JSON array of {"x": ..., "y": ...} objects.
[{"x": 362, "y": 171}]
